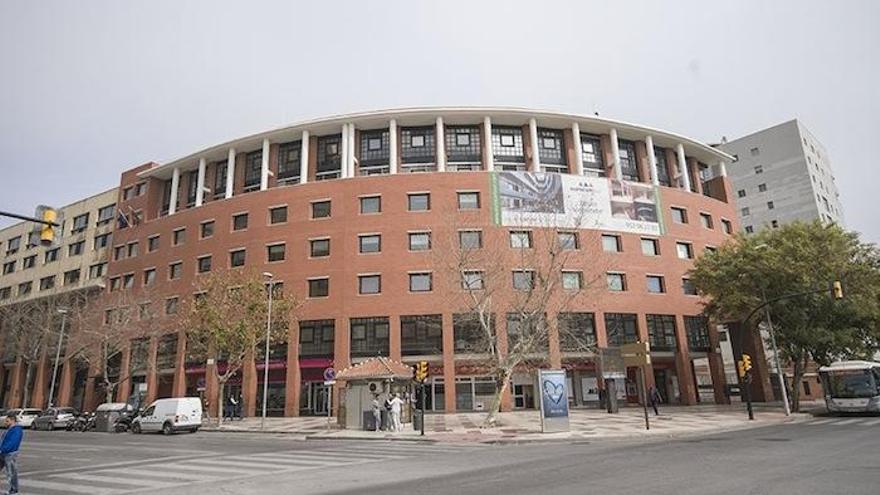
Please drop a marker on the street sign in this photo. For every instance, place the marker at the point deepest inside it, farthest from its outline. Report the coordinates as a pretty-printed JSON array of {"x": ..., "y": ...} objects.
[
  {"x": 329, "y": 375},
  {"x": 636, "y": 354},
  {"x": 611, "y": 363}
]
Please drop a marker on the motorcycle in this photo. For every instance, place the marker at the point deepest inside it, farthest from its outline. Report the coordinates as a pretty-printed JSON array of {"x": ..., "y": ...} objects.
[{"x": 82, "y": 422}]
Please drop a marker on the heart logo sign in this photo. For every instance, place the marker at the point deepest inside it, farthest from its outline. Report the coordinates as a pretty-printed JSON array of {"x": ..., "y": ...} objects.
[{"x": 554, "y": 391}]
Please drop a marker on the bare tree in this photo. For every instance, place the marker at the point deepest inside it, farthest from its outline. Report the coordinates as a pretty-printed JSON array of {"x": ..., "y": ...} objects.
[{"x": 227, "y": 320}]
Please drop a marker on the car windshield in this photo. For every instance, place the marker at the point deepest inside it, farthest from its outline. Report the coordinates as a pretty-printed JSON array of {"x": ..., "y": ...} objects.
[
  {"x": 852, "y": 384},
  {"x": 31, "y": 412}
]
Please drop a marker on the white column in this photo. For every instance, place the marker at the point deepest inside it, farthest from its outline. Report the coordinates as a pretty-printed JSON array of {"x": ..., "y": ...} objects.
[
  {"x": 264, "y": 166},
  {"x": 682, "y": 168},
  {"x": 652, "y": 160},
  {"x": 392, "y": 146},
  {"x": 304, "y": 159},
  {"x": 487, "y": 144},
  {"x": 615, "y": 155},
  {"x": 533, "y": 137},
  {"x": 578, "y": 148},
  {"x": 344, "y": 153},
  {"x": 722, "y": 169},
  {"x": 200, "y": 183},
  {"x": 441, "y": 146},
  {"x": 175, "y": 185},
  {"x": 351, "y": 150},
  {"x": 230, "y": 172}
]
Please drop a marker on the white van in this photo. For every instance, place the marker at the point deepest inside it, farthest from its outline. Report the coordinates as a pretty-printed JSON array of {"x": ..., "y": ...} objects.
[{"x": 170, "y": 415}]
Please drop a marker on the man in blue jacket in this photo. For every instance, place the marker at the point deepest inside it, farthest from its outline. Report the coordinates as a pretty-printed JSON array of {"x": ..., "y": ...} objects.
[{"x": 9, "y": 451}]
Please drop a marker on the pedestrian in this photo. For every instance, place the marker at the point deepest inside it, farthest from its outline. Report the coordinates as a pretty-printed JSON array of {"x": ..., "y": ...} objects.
[
  {"x": 396, "y": 404},
  {"x": 9, "y": 451},
  {"x": 377, "y": 414},
  {"x": 655, "y": 398}
]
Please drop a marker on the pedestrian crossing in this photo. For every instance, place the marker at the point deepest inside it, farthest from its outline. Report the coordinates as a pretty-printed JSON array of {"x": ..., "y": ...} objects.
[
  {"x": 164, "y": 476},
  {"x": 846, "y": 421}
]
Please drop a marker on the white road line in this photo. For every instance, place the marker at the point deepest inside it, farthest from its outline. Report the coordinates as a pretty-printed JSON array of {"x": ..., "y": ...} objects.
[
  {"x": 183, "y": 477},
  {"x": 29, "y": 486},
  {"x": 107, "y": 478},
  {"x": 299, "y": 460},
  {"x": 252, "y": 465},
  {"x": 846, "y": 422},
  {"x": 820, "y": 422},
  {"x": 339, "y": 454},
  {"x": 872, "y": 422},
  {"x": 204, "y": 469}
]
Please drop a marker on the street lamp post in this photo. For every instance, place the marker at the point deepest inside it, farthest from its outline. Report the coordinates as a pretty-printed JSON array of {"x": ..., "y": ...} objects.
[
  {"x": 271, "y": 285},
  {"x": 776, "y": 362},
  {"x": 63, "y": 312}
]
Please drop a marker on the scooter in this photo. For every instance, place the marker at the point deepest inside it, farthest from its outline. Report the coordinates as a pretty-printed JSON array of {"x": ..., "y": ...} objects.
[{"x": 81, "y": 422}]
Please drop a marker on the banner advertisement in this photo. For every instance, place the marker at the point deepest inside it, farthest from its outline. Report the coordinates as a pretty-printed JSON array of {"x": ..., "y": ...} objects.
[
  {"x": 529, "y": 199},
  {"x": 554, "y": 400}
]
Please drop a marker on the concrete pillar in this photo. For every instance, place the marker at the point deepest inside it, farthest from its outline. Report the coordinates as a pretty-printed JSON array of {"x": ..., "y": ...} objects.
[
  {"x": 212, "y": 385},
  {"x": 200, "y": 183},
  {"x": 123, "y": 388},
  {"x": 15, "y": 397},
  {"x": 652, "y": 160},
  {"x": 64, "y": 387},
  {"x": 535, "y": 164},
  {"x": 553, "y": 342},
  {"x": 716, "y": 368},
  {"x": 694, "y": 167},
  {"x": 344, "y": 152},
  {"x": 448, "y": 364},
  {"x": 684, "y": 180},
  {"x": 394, "y": 338},
  {"x": 683, "y": 367},
  {"x": 152, "y": 371},
  {"x": 178, "y": 386},
  {"x": 230, "y": 172},
  {"x": 487, "y": 144},
  {"x": 175, "y": 185},
  {"x": 294, "y": 376},
  {"x": 90, "y": 398},
  {"x": 441, "y": 146},
  {"x": 578, "y": 149},
  {"x": 392, "y": 146},
  {"x": 249, "y": 386},
  {"x": 41, "y": 378},
  {"x": 615, "y": 155},
  {"x": 264, "y": 166},
  {"x": 721, "y": 169},
  {"x": 304, "y": 159}
]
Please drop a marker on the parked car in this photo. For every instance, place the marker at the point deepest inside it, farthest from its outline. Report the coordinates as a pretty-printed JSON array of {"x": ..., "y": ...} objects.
[
  {"x": 55, "y": 417},
  {"x": 25, "y": 416},
  {"x": 170, "y": 416}
]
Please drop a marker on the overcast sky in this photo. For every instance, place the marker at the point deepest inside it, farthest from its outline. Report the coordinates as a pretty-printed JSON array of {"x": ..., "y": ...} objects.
[{"x": 88, "y": 89}]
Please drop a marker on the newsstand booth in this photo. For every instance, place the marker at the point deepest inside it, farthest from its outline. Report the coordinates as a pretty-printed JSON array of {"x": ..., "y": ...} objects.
[{"x": 375, "y": 378}]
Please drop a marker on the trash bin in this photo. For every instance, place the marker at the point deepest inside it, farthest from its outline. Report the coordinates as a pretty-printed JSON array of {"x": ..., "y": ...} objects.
[
  {"x": 369, "y": 421},
  {"x": 106, "y": 415},
  {"x": 417, "y": 419}
]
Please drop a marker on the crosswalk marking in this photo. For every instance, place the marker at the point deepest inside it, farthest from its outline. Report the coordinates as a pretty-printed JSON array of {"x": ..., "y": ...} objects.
[
  {"x": 873, "y": 422},
  {"x": 846, "y": 422},
  {"x": 150, "y": 474},
  {"x": 821, "y": 422},
  {"x": 115, "y": 480},
  {"x": 843, "y": 421},
  {"x": 31, "y": 486}
]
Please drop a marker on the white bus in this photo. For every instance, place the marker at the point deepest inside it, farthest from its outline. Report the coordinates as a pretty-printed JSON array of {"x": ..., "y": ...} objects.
[{"x": 852, "y": 386}]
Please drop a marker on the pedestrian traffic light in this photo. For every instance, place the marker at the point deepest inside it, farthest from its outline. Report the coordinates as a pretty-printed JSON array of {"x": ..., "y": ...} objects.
[
  {"x": 49, "y": 225},
  {"x": 421, "y": 371},
  {"x": 747, "y": 362},
  {"x": 837, "y": 289}
]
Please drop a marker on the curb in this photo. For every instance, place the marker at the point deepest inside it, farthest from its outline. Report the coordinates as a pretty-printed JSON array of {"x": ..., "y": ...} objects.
[{"x": 375, "y": 439}]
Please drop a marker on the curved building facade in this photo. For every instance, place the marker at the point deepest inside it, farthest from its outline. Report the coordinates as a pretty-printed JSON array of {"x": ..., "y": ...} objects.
[{"x": 352, "y": 213}]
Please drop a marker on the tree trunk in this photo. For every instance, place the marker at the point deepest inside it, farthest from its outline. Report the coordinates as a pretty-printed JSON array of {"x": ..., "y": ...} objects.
[
  {"x": 108, "y": 391},
  {"x": 492, "y": 417},
  {"x": 26, "y": 393},
  {"x": 795, "y": 381},
  {"x": 219, "y": 401}
]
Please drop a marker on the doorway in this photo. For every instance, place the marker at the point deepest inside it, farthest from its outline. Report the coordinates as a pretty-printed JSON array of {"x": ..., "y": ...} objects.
[
  {"x": 524, "y": 396},
  {"x": 315, "y": 399}
]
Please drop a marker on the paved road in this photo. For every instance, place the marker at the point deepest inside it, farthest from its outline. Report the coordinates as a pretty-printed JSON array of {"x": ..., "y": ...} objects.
[{"x": 822, "y": 456}]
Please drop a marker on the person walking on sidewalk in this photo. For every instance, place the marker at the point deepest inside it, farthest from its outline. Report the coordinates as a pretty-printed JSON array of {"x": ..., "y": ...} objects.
[
  {"x": 654, "y": 396},
  {"x": 377, "y": 414},
  {"x": 9, "y": 451},
  {"x": 396, "y": 404}
]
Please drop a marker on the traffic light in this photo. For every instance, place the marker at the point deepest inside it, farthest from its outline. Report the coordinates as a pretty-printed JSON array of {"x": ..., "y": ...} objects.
[
  {"x": 837, "y": 289},
  {"x": 740, "y": 369},
  {"x": 49, "y": 227},
  {"x": 421, "y": 371},
  {"x": 747, "y": 362}
]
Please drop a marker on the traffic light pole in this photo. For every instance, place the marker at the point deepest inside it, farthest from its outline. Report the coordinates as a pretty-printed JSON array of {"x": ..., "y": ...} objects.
[
  {"x": 28, "y": 219},
  {"x": 644, "y": 396},
  {"x": 422, "y": 407},
  {"x": 747, "y": 380}
]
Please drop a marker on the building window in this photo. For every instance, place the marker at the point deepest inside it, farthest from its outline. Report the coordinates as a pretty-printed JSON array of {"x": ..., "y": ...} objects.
[
  {"x": 774, "y": 224},
  {"x": 468, "y": 201},
  {"x": 419, "y": 202},
  {"x": 51, "y": 255},
  {"x": 105, "y": 215},
  {"x": 507, "y": 147},
  {"x": 319, "y": 287},
  {"x": 319, "y": 248},
  {"x": 329, "y": 163},
  {"x": 9, "y": 267},
  {"x": 551, "y": 150},
  {"x": 741, "y": 193},
  {"x": 76, "y": 248},
  {"x": 369, "y": 284},
  {"x": 523, "y": 279},
  {"x": 289, "y": 161},
  {"x": 175, "y": 270},
  {"x": 577, "y": 332},
  {"x": 206, "y": 229},
  {"x": 727, "y": 226},
  {"x": 237, "y": 258},
  {"x": 29, "y": 262},
  {"x": 371, "y": 204},
  {"x": 369, "y": 337},
  {"x": 661, "y": 332},
  {"x": 149, "y": 277},
  {"x": 370, "y": 243},
  {"x": 706, "y": 220},
  {"x": 102, "y": 241},
  {"x": 24, "y": 289},
  {"x": 755, "y": 151},
  {"x": 178, "y": 237},
  {"x": 611, "y": 243},
  {"x": 253, "y": 170},
  {"x": 520, "y": 239},
  {"x": 679, "y": 215},
  {"x": 463, "y": 145},
  {"x": 192, "y": 186},
  {"x": 204, "y": 264},
  {"x": 420, "y": 282},
  {"x": 275, "y": 252},
  {"x": 697, "y": 329},
  {"x": 759, "y": 169},
  {"x": 688, "y": 287},
  {"x": 220, "y": 173},
  {"x": 277, "y": 215},
  {"x": 47, "y": 283},
  {"x": 621, "y": 328},
  {"x": 650, "y": 247},
  {"x": 375, "y": 152},
  {"x": 572, "y": 280},
  {"x": 316, "y": 338},
  {"x": 685, "y": 250},
  {"x": 472, "y": 280},
  {"x": 80, "y": 223},
  {"x": 468, "y": 332},
  {"x": 628, "y": 167},
  {"x": 470, "y": 239},
  {"x": 321, "y": 209},
  {"x": 417, "y": 145},
  {"x": 655, "y": 284},
  {"x": 239, "y": 221},
  {"x": 616, "y": 281},
  {"x": 132, "y": 249},
  {"x": 12, "y": 245},
  {"x": 171, "y": 305},
  {"x": 568, "y": 241},
  {"x": 419, "y": 241},
  {"x": 72, "y": 277},
  {"x": 745, "y": 211},
  {"x": 421, "y": 335},
  {"x": 749, "y": 229},
  {"x": 762, "y": 187},
  {"x": 770, "y": 205},
  {"x": 591, "y": 151},
  {"x": 662, "y": 169}
]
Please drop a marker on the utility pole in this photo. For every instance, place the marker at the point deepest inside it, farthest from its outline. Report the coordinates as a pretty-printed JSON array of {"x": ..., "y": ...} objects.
[
  {"x": 779, "y": 374},
  {"x": 271, "y": 286},
  {"x": 63, "y": 312}
]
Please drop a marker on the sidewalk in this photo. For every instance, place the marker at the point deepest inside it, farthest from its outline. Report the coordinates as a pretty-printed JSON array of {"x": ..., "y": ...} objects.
[{"x": 525, "y": 426}]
